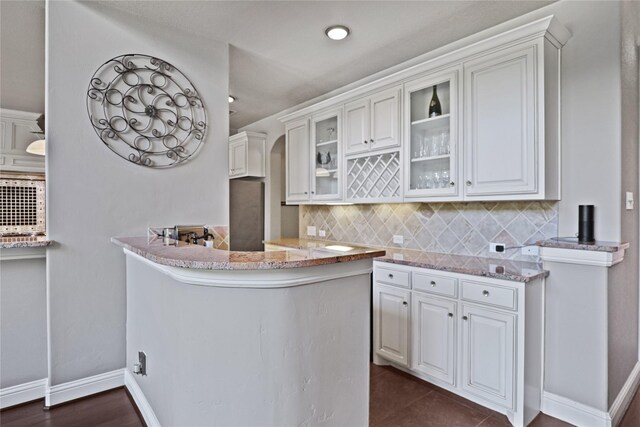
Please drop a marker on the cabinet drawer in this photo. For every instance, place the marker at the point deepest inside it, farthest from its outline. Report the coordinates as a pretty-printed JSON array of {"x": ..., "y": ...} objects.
[
  {"x": 392, "y": 277},
  {"x": 446, "y": 286},
  {"x": 489, "y": 294}
]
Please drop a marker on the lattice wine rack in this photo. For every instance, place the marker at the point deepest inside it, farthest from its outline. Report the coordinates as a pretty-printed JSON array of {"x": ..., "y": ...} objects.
[{"x": 374, "y": 178}]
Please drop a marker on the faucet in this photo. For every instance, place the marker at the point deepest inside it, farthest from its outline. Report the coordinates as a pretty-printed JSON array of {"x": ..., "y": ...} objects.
[{"x": 194, "y": 236}]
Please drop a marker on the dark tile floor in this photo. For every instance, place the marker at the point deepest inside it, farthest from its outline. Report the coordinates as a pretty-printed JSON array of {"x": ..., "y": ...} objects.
[
  {"x": 397, "y": 400},
  {"x": 401, "y": 400}
]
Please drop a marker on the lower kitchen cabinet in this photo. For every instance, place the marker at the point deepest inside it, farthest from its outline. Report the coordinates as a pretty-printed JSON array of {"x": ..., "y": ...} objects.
[
  {"x": 467, "y": 334},
  {"x": 488, "y": 354},
  {"x": 391, "y": 323},
  {"x": 433, "y": 341}
]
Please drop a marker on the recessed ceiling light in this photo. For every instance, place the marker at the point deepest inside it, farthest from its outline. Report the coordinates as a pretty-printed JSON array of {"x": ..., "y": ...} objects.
[
  {"x": 337, "y": 32},
  {"x": 231, "y": 99}
]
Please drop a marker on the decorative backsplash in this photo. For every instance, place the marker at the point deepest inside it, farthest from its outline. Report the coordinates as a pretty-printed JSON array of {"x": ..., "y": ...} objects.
[
  {"x": 220, "y": 236},
  {"x": 453, "y": 228}
]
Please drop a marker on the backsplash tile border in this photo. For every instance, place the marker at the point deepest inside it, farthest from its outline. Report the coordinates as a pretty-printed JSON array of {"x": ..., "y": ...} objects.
[{"x": 462, "y": 228}]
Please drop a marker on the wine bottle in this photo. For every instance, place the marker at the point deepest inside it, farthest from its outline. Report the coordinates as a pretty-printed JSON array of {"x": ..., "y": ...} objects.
[{"x": 434, "y": 106}]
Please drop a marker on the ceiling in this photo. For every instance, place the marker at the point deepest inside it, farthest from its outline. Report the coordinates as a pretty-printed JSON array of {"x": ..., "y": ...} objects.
[{"x": 280, "y": 57}]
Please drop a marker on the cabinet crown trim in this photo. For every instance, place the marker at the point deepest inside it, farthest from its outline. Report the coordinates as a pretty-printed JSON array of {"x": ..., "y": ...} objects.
[{"x": 457, "y": 51}]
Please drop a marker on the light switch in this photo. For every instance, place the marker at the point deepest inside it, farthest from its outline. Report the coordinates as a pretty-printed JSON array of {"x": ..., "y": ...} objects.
[
  {"x": 398, "y": 239},
  {"x": 311, "y": 230},
  {"x": 629, "y": 201}
]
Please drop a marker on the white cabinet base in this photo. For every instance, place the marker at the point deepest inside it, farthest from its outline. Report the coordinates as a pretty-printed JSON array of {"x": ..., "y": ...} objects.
[{"x": 505, "y": 376}]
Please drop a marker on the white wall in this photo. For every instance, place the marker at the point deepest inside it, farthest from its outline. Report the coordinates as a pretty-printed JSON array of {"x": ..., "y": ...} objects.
[
  {"x": 93, "y": 194},
  {"x": 22, "y": 53},
  {"x": 23, "y": 321}
]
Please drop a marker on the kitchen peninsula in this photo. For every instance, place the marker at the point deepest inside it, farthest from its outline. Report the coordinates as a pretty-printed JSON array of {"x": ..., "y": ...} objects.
[{"x": 275, "y": 337}]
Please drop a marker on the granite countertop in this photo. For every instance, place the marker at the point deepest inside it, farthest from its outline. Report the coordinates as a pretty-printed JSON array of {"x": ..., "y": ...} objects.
[
  {"x": 505, "y": 269},
  {"x": 185, "y": 255},
  {"x": 572, "y": 243},
  {"x": 24, "y": 242}
]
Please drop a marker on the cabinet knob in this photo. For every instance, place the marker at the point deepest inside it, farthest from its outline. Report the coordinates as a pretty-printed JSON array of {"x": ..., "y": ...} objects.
[
  {"x": 485, "y": 293},
  {"x": 452, "y": 183},
  {"x": 390, "y": 276},
  {"x": 313, "y": 192},
  {"x": 465, "y": 318},
  {"x": 405, "y": 303},
  {"x": 433, "y": 284},
  {"x": 450, "y": 314},
  {"x": 371, "y": 141},
  {"x": 306, "y": 192},
  {"x": 366, "y": 142},
  {"x": 468, "y": 182}
]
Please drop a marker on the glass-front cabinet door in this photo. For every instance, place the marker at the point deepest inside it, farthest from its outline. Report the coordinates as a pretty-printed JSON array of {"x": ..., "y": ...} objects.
[
  {"x": 326, "y": 130},
  {"x": 431, "y": 136}
]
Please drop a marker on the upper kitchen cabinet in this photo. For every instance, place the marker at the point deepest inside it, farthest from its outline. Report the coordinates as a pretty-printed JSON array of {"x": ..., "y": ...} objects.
[
  {"x": 297, "y": 160},
  {"x": 327, "y": 156},
  {"x": 512, "y": 123},
  {"x": 431, "y": 134},
  {"x": 246, "y": 155},
  {"x": 478, "y": 122},
  {"x": 373, "y": 123}
]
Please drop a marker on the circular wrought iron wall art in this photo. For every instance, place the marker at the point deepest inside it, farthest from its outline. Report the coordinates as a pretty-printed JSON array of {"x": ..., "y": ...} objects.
[{"x": 146, "y": 111}]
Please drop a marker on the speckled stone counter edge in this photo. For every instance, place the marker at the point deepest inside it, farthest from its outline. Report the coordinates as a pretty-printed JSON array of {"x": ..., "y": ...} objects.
[
  {"x": 216, "y": 259},
  {"x": 24, "y": 242},
  {"x": 451, "y": 266},
  {"x": 598, "y": 246}
]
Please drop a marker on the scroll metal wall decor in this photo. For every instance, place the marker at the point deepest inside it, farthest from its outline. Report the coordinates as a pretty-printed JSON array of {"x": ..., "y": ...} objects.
[{"x": 146, "y": 111}]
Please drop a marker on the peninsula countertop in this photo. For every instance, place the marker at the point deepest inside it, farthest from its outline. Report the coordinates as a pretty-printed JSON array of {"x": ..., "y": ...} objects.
[
  {"x": 519, "y": 271},
  {"x": 10, "y": 242},
  {"x": 185, "y": 255}
]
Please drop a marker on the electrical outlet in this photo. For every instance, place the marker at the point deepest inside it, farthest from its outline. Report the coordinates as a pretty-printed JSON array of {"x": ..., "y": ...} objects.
[
  {"x": 497, "y": 269},
  {"x": 398, "y": 240},
  {"x": 629, "y": 201},
  {"x": 496, "y": 247},
  {"x": 322, "y": 233},
  {"x": 140, "y": 368},
  {"x": 311, "y": 230},
  {"x": 530, "y": 250}
]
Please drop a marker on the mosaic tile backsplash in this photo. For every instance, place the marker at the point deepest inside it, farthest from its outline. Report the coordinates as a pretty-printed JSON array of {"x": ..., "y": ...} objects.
[{"x": 452, "y": 228}]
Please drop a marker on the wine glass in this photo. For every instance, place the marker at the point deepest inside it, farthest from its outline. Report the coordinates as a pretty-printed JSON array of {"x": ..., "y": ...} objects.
[
  {"x": 436, "y": 179},
  {"x": 445, "y": 178}
]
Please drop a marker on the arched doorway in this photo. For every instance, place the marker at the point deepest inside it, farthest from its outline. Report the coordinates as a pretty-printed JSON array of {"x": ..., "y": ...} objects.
[{"x": 283, "y": 221}]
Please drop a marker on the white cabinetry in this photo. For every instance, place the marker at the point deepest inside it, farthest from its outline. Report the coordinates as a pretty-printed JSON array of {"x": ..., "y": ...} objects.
[
  {"x": 298, "y": 164},
  {"x": 373, "y": 123},
  {"x": 431, "y": 142},
  {"x": 496, "y": 138},
  {"x": 468, "y": 334},
  {"x": 18, "y": 129},
  {"x": 488, "y": 356},
  {"x": 500, "y": 123},
  {"x": 433, "y": 343},
  {"x": 246, "y": 155},
  {"x": 326, "y": 177},
  {"x": 391, "y": 322}
]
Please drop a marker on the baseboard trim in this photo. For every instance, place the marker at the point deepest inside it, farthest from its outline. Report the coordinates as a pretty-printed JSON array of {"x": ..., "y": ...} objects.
[
  {"x": 22, "y": 393},
  {"x": 141, "y": 401},
  {"x": 573, "y": 412},
  {"x": 72, "y": 390},
  {"x": 623, "y": 400}
]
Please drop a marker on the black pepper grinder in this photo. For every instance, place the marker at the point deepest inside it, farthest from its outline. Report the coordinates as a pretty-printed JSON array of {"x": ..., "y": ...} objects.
[{"x": 586, "y": 220}]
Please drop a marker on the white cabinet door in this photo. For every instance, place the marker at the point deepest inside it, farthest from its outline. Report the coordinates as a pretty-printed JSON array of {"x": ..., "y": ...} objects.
[
  {"x": 500, "y": 123},
  {"x": 391, "y": 322},
  {"x": 326, "y": 140},
  {"x": 356, "y": 126},
  {"x": 433, "y": 330},
  {"x": 431, "y": 142},
  {"x": 298, "y": 161},
  {"x": 488, "y": 354},
  {"x": 237, "y": 158},
  {"x": 385, "y": 119}
]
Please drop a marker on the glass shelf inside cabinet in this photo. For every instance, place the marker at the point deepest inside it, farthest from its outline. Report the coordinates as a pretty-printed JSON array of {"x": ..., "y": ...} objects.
[
  {"x": 326, "y": 156},
  {"x": 430, "y": 149}
]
